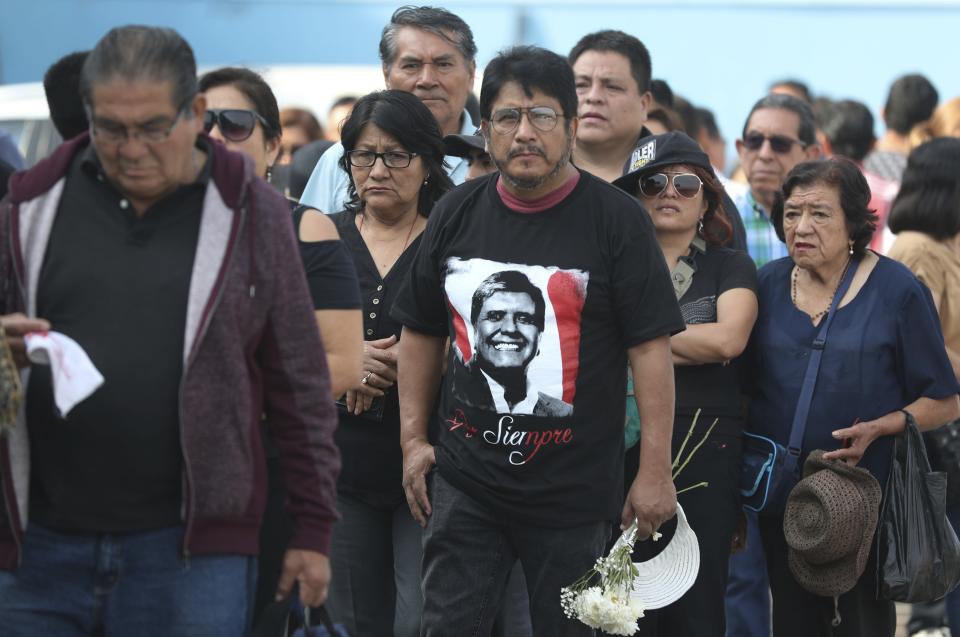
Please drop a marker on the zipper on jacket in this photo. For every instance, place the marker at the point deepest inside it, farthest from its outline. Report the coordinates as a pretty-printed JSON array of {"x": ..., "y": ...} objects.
[
  {"x": 218, "y": 296},
  {"x": 15, "y": 255}
]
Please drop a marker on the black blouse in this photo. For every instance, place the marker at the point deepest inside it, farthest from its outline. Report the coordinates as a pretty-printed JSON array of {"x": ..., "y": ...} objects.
[
  {"x": 330, "y": 272},
  {"x": 712, "y": 387},
  {"x": 370, "y": 451}
]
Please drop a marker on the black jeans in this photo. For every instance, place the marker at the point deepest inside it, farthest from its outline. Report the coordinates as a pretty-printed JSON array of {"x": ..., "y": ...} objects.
[
  {"x": 799, "y": 613},
  {"x": 468, "y": 551},
  {"x": 712, "y": 512}
]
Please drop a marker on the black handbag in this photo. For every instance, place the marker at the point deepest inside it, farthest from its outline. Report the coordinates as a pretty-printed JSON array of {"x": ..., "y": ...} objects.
[
  {"x": 374, "y": 414},
  {"x": 768, "y": 470},
  {"x": 918, "y": 553}
]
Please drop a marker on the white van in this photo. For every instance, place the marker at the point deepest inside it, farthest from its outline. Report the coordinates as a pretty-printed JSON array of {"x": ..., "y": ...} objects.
[{"x": 24, "y": 114}]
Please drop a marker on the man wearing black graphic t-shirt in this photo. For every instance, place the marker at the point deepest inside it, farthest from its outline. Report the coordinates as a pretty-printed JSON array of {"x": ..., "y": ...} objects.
[{"x": 515, "y": 481}]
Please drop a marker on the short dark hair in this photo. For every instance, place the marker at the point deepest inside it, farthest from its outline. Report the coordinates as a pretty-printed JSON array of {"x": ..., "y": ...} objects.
[
  {"x": 253, "y": 87},
  {"x": 618, "y": 42},
  {"x": 404, "y": 117},
  {"x": 707, "y": 122},
  {"x": 929, "y": 197},
  {"x": 685, "y": 109},
  {"x": 343, "y": 100},
  {"x": 61, "y": 84},
  {"x": 852, "y": 187},
  {"x": 532, "y": 68},
  {"x": 667, "y": 118},
  {"x": 508, "y": 281},
  {"x": 435, "y": 20},
  {"x": 796, "y": 85},
  {"x": 305, "y": 119},
  {"x": 661, "y": 92},
  {"x": 136, "y": 53},
  {"x": 848, "y": 124},
  {"x": 807, "y": 131},
  {"x": 911, "y": 100}
]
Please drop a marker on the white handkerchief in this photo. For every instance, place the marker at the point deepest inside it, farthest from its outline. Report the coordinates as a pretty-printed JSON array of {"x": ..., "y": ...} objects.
[{"x": 74, "y": 375}]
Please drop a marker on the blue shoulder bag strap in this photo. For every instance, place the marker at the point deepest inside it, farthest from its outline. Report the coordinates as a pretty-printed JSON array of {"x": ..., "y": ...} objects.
[{"x": 810, "y": 377}]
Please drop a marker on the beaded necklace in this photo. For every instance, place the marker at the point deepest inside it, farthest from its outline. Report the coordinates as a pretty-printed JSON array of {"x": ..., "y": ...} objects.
[{"x": 793, "y": 292}]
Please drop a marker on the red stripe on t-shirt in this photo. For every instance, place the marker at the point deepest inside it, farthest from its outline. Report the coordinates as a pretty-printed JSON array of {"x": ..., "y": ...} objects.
[
  {"x": 460, "y": 330},
  {"x": 567, "y": 301}
]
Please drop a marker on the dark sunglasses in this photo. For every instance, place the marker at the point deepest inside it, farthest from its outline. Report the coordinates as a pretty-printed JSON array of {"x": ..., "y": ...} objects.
[
  {"x": 235, "y": 124},
  {"x": 780, "y": 144},
  {"x": 687, "y": 185}
]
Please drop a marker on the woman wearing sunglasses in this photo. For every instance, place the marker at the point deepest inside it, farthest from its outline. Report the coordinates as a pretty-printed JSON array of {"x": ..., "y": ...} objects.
[
  {"x": 393, "y": 156},
  {"x": 242, "y": 113},
  {"x": 716, "y": 289}
]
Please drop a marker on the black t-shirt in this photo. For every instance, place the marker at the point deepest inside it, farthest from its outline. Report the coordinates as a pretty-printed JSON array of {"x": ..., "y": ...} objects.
[
  {"x": 370, "y": 455},
  {"x": 331, "y": 276},
  {"x": 714, "y": 387},
  {"x": 540, "y": 309},
  {"x": 117, "y": 284}
]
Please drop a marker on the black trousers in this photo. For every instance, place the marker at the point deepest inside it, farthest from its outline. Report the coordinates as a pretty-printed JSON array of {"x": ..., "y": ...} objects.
[
  {"x": 712, "y": 512},
  {"x": 799, "y": 613}
]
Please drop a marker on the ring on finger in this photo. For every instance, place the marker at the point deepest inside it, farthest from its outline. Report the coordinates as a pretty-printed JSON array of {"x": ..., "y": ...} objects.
[{"x": 366, "y": 379}]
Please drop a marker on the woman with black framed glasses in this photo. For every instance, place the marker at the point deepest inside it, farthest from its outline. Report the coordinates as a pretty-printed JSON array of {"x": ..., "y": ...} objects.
[
  {"x": 716, "y": 288},
  {"x": 393, "y": 155}
]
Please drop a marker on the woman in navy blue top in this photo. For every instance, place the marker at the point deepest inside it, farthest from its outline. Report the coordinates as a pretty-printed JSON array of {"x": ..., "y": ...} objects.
[{"x": 884, "y": 353}]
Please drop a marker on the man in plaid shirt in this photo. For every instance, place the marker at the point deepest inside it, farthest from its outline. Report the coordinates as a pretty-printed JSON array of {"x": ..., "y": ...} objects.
[{"x": 779, "y": 134}]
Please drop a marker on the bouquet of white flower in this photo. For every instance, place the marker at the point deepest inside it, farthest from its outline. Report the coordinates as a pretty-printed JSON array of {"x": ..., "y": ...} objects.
[
  {"x": 607, "y": 604},
  {"x": 603, "y": 597}
]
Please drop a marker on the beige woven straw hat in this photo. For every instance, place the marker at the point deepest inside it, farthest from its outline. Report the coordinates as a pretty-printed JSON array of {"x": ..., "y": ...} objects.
[{"x": 829, "y": 523}]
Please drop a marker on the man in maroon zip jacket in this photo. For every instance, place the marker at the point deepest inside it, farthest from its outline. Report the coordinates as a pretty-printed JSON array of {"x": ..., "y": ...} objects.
[{"x": 168, "y": 261}]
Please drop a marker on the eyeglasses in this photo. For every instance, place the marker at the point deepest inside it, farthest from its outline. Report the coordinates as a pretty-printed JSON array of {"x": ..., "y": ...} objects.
[
  {"x": 687, "y": 185},
  {"x": 507, "y": 120},
  {"x": 235, "y": 124},
  {"x": 390, "y": 159},
  {"x": 154, "y": 132},
  {"x": 780, "y": 144}
]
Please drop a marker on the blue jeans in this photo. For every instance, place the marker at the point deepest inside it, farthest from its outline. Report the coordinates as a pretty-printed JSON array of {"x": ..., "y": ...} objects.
[
  {"x": 124, "y": 584},
  {"x": 748, "y": 589},
  {"x": 469, "y": 550}
]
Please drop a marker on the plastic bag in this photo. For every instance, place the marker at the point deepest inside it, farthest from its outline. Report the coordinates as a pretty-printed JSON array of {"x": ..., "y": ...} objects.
[{"x": 918, "y": 554}]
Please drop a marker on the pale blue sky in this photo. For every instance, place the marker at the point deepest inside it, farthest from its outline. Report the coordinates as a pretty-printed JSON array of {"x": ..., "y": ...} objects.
[{"x": 722, "y": 55}]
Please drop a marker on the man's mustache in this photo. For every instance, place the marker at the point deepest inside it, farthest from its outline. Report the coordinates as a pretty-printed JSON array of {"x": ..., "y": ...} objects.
[{"x": 526, "y": 150}]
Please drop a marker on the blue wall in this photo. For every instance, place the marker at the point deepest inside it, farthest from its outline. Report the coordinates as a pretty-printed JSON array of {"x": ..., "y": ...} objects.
[{"x": 719, "y": 54}]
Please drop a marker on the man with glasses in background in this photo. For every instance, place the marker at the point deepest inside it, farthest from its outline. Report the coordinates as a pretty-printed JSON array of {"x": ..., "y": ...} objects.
[
  {"x": 779, "y": 134},
  {"x": 168, "y": 262},
  {"x": 426, "y": 51}
]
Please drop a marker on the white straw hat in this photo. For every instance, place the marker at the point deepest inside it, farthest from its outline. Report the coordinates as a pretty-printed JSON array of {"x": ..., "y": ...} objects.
[{"x": 664, "y": 579}]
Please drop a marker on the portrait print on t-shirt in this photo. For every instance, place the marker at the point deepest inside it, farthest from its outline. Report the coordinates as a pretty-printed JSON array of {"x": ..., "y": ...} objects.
[{"x": 517, "y": 335}]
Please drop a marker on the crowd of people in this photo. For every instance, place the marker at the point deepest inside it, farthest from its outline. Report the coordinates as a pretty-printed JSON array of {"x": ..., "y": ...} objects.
[{"x": 420, "y": 364}]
